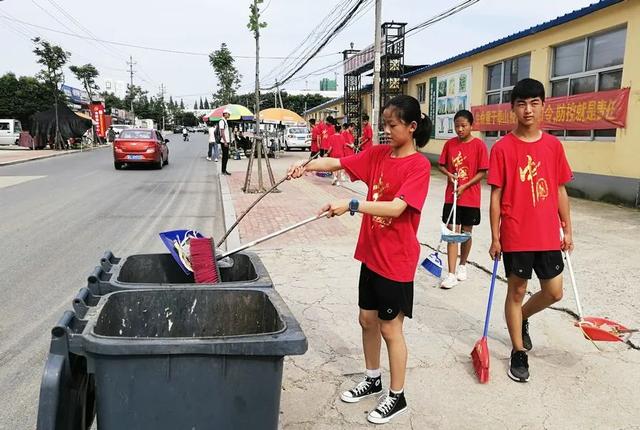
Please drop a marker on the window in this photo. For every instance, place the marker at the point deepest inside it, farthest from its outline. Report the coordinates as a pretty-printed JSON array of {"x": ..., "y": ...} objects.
[
  {"x": 4, "y": 126},
  {"x": 588, "y": 65},
  {"x": 107, "y": 85},
  {"x": 136, "y": 134},
  {"x": 422, "y": 92},
  {"x": 501, "y": 78}
]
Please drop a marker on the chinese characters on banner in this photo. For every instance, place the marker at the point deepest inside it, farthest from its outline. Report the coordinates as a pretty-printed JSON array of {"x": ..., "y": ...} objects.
[
  {"x": 433, "y": 95},
  {"x": 454, "y": 94},
  {"x": 97, "y": 114},
  {"x": 589, "y": 111}
]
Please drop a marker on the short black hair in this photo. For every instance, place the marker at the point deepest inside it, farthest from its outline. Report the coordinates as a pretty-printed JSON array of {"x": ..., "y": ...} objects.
[
  {"x": 312, "y": 121},
  {"x": 365, "y": 117},
  {"x": 345, "y": 126},
  {"x": 407, "y": 109},
  {"x": 464, "y": 114},
  {"x": 352, "y": 124},
  {"x": 527, "y": 88},
  {"x": 330, "y": 120}
]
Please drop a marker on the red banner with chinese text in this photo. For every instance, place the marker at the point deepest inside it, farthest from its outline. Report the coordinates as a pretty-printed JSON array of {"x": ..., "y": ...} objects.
[
  {"x": 97, "y": 114},
  {"x": 589, "y": 111}
]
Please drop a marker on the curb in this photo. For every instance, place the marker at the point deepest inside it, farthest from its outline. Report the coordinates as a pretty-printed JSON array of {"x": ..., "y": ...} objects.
[
  {"x": 44, "y": 157},
  {"x": 229, "y": 214}
]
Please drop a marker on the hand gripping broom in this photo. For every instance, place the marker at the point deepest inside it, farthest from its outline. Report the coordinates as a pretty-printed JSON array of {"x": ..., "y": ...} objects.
[{"x": 480, "y": 352}]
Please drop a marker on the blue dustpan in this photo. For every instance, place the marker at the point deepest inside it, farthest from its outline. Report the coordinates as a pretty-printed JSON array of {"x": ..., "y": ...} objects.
[
  {"x": 433, "y": 264},
  {"x": 168, "y": 237},
  {"x": 449, "y": 236}
]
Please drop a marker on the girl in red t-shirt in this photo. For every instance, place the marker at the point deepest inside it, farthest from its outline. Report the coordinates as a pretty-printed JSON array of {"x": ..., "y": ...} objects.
[
  {"x": 397, "y": 176},
  {"x": 349, "y": 139},
  {"x": 465, "y": 158},
  {"x": 336, "y": 145}
]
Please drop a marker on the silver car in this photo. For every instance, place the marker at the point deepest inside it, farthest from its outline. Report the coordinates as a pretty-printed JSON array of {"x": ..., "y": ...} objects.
[{"x": 297, "y": 137}]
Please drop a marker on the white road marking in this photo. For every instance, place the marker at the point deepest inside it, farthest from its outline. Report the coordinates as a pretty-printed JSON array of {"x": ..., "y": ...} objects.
[{"x": 9, "y": 181}]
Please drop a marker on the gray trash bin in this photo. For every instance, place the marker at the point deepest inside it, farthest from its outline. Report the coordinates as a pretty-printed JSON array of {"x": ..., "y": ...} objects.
[
  {"x": 185, "y": 358},
  {"x": 160, "y": 270}
]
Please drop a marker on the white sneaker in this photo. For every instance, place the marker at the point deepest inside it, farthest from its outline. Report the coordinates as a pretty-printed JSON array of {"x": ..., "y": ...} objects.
[
  {"x": 216, "y": 160},
  {"x": 449, "y": 282},
  {"x": 461, "y": 273},
  {"x": 208, "y": 158},
  {"x": 334, "y": 181}
]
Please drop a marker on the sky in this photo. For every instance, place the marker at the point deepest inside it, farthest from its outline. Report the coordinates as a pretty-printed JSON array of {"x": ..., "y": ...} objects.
[{"x": 199, "y": 27}]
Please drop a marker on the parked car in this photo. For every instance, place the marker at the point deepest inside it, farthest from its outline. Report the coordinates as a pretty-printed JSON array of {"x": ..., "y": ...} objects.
[
  {"x": 297, "y": 137},
  {"x": 140, "y": 145},
  {"x": 10, "y": 130}
]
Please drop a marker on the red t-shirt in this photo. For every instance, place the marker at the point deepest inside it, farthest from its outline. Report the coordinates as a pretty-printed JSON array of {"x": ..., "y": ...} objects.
[
  {"x": 389, "y": 246},
  {"x": 315, "y": 132},
  {"x": 326, "y": 131},
  {"x": 348, "y": 140},
  {"x": 529, "y": 174},
  {"x": 336, "y": 143},
  {"x": 465, "y": 159},
  {"x": 367, "y": 137}
]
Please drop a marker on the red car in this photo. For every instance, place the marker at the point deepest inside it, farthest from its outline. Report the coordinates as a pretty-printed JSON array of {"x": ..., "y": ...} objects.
[{"x": 140, "y": 145}]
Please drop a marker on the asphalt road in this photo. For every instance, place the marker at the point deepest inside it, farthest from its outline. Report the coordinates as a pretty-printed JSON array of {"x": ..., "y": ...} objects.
[{"x": 57, "y": 217}]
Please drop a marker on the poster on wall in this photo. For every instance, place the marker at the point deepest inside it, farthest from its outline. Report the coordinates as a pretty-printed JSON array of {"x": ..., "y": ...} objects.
[
  {"x": 453, "y": 94},
  {"x": 433, "y": 96}
]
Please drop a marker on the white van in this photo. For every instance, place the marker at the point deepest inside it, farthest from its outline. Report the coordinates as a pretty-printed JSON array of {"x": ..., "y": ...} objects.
[{"x": 10, "y": 131}]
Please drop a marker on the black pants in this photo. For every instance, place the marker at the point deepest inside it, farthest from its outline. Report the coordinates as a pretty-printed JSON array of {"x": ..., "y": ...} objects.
[{"x": 225, "y": 157}]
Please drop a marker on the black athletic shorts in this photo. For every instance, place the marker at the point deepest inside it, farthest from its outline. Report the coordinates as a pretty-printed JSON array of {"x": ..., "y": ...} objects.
[
  {"x": 465, "y": 215},
  {"x": 547, "y": 264},
  {"x": 377, "y": 293}
]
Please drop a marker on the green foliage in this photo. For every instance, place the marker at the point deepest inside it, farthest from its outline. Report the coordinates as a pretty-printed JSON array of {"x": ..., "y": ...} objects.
[
  {"x": 227, "y": 74},
  {"x": 188, "y": 119},
  {"x": 201, "y": 105},
  {"x": 52, "y": 58},
  {"x": 195, "y": 105},
  {"x": 181, "y": 104},
  {"x": 22, "y": 97},
  {"x": 254, "y": 19},
  {"x": 293, "y": 103},
  {"x": 87, "y": 74},
  {"x": 206, "y": 104}
]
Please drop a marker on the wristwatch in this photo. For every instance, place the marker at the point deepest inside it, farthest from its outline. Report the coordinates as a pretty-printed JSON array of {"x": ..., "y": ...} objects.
[{"x": 354, "y": 204}]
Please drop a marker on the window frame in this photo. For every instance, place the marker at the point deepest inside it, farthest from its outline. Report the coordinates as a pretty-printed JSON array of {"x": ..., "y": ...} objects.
[
  {"x": 502, "y": 89},
  {"x": 585, "y": 73},
  {"x": 421, "y": 90}
]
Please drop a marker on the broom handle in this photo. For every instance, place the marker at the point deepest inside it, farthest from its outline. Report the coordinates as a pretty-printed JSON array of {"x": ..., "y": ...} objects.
[
  {"x": 490, "y": 303},
  {"x": 262, "y": 196},
  {"x": 455, "y": 201},
  {"x": 272, "y": 235},
  {"x": 572, "y": 276}
]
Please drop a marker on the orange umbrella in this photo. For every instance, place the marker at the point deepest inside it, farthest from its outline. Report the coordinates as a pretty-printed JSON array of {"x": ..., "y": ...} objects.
[{"x": 278, "y": 115}]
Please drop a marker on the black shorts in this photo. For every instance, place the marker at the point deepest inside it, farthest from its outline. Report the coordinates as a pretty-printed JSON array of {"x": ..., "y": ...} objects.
[
  {"x": 377, "y": 293},
  {"x": 547, "y": 264},
  {"x": 465, "y": 215}
]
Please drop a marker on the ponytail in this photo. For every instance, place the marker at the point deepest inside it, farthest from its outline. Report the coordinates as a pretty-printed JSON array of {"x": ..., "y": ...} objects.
[{"x": 423, "y": 131}]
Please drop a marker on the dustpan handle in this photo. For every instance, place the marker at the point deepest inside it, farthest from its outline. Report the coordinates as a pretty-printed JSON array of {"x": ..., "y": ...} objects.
[
  {"x": 487, "y": 317},
  {"x": 272, "y": 235}
]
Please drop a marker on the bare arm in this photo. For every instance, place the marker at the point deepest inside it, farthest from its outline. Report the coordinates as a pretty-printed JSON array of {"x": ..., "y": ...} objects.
[
  {"x": 445, "y": 172},
  {"x": 565, "y": 218},
  {"x": 494, "y": 218},
  {"x": 392, "y": 209},
  {"x": 317, "y": 165}
]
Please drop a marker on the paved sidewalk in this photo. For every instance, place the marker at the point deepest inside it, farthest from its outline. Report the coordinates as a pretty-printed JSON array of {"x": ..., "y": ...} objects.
[
  {"x": 573, "y": 384},
  {"x": 13, "y": 155}
]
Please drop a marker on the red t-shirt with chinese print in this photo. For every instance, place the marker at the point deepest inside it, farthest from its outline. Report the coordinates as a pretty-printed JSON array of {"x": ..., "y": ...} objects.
[
  {"x": 336, "y": 143},
  {"x": 367, "y": 137},
  {"x": 348, "y": 140},
  {"x": 465, "y": 159},
  {"x": 326, "y": 131},
  {"x": 389, "y": 246},
  {"x": 529, "y": 174},
  {"x": 315, "y": 132}
]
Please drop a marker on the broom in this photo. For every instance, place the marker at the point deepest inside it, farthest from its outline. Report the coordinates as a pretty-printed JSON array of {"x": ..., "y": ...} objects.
[{"x": 480, "y": 352}]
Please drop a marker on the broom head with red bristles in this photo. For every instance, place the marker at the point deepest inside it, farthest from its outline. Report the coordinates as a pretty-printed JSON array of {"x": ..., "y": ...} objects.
[
  {"x": 480, "y": 358},
  {"x": 203, "y": 260}
]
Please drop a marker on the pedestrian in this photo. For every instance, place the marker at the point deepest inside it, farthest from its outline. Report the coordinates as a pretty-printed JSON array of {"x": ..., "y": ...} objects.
[
  {"x": 336, "y": 145},
  {"x": 225, "y": 139},
  {"x": 111, "y": 134},
  {"x": 528, "y": 171},
  {"x": 185, "y": 134},
  {"x": 366, "y": 141},
  {"x": 397, "y": 176},
  {"x": 315, "y": 144},
  {"x": 464, "y": 158},
  {"x": 213, "y": 144},
  {"x": 347, "y": 135},
  {"x": 326, "y": 130}
]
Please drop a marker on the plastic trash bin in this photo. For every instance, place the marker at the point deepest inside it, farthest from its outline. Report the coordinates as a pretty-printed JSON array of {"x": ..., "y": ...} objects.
[
  {"x": 185, "y": 358},
  {"x": 160, "y": 270}
]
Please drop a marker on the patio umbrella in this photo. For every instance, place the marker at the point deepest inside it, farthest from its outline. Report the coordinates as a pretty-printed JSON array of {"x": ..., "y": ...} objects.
[
  {"x": 238, "y": 113},
  {"x": 277, "y": 115}
]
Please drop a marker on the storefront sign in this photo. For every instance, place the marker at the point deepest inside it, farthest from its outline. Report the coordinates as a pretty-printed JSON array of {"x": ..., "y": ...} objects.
[
  {"x": 359, "y": 60},
  {"x": 454, "y": 93},
  {"x": 589, "y": 111},
  {"x": 97, "y": 114}
]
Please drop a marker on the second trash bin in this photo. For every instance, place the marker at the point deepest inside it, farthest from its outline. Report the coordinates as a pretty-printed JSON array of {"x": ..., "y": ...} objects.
[{"x": 203, "y": 358}]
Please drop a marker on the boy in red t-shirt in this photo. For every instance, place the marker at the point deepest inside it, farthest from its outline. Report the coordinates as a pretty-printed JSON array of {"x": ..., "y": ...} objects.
[
  {"x": 397, "y": 176},
  {"x": 528, "y": 171},
  {"x": 315, "y": 147},
  {"x": 366, "y": 141},
  {"x": 336, "y": 145},
  {"x": 465, "y": 158}
]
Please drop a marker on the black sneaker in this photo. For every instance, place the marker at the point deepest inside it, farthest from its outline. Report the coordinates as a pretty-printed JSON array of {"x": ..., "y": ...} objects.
[
  {"x": 366, "y": 388},
  {"x": 526, "y": 339},
  {"x": 519, "y": 366},
  {"x": 389, "y": 406}
]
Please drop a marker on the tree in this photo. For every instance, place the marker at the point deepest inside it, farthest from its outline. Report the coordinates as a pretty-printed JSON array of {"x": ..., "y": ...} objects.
[
  {"x": 87, "y": 74},
  {"x": 227, "y": 74},
  {"x": 188, "y": 119},
  {"x": 195, "y": 105},
  {"x": 22, "y": 97},
  {"x": 181, "y": 104},
  {"x": 52, "y": 58},
  {"x": 206, "y": 104},
  {"x": 201, "y": 105}
]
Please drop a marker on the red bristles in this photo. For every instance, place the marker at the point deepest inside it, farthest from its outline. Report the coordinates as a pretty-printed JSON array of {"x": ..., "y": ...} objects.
[{"x": 203, "y": 260}]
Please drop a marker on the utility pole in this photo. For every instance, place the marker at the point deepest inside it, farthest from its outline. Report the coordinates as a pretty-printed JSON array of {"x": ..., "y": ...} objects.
[
  {"x": 375, "y": 117},
  {"x": 162, "y": 98},
  {"x": 131, "y": 72}
]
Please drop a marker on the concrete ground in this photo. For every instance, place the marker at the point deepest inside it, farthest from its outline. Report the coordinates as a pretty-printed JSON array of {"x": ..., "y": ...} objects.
[{"x": 574, "y": 383}]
